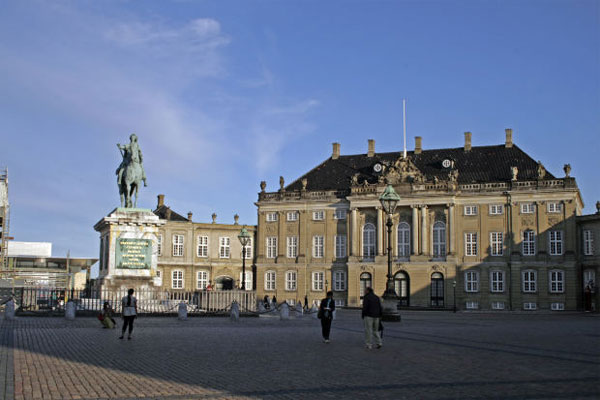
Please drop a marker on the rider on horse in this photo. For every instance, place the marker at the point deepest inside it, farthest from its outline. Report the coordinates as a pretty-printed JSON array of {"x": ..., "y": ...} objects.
[{"x": 131, "y": 153}]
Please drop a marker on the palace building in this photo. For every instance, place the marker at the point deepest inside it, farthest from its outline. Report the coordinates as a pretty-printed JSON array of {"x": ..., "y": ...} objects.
[{"x": 477, "y": 227}]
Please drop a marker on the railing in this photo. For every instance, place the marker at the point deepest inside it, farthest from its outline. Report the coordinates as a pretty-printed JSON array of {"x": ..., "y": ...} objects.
[{"x": 149, "y": 301}]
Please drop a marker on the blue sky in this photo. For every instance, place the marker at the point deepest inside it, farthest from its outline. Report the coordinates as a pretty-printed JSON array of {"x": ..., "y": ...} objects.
[{"x": 225, "y": 94}]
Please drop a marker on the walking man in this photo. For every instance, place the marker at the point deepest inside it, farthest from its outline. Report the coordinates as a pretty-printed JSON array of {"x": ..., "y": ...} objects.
[
  {"x": 371, "y": 314},
  {"x": 326, "y": 315}
]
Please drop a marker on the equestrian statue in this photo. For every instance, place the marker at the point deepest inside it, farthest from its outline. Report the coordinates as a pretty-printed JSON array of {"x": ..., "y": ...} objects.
[{"x": 130, "y": 172}]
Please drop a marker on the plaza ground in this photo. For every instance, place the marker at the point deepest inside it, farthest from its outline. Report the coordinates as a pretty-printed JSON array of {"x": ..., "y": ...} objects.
[{"x": 429, "y": 355}]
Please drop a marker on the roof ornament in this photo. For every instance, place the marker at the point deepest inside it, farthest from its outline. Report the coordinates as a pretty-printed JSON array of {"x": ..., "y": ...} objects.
[
  {"x": 263, "y": 186},
  {"x": 598, "y": 207},
  {"x": 541, "y": 171},
  {"x": 304, "y": 184},
  {"x": 281, "y": 184},
  {"x": 567, "y": 169},
  {"x": 214, "y": 218},
  {"x": 514, "y": 172},
  {"x": 355, "y": 179},
  {"x": 453, "y": 176}
]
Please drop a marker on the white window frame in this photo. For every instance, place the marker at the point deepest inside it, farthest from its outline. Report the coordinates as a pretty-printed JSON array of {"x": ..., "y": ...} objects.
[
  {"x": 496, "y": 209},
  {"x": 556, "y": 242},
  {"x": 340, "y": 246},
  {"x": 370, "y": 245},
  {"x": 271, "y": 217},
  {"x": 291, "y": 280},
  {"x": 291, "y": 246},
  {"x": 202, "y": 279},
  {"x": 527, "y": 208},
  {"x": 158, "y": 273},
  {"x": 498, "y": 305},
  {"x": 224, "y": 247},
  {"x": 340, "y": 303},
  {"x": 271, "y": 246},
  {"x": 340, "y": 213},
  {"x": 557, "y": 306},
  {"x": 497, "y": 281},
  {"x": 556, "y": 281},
  {"x": 202, "y": 246},
  {"x": 159, "y": 244},
  {"x": 470, "y": 210},
  {"x": 318, "y": 281},
  {"x": 318, "y": 215},
  {"x": 439, "y": 239},
  {"x": 318, "y": 246},
  {"x": 554, "y": 207},
  {"x": 270, "y": 280},
  {"x": 529, "y": 306},
  {"x": 292, "y": 216},
  {"x": 249, "y": 248},
  {"x": 177, "y": 279},
  {"x": 496, "y": 244},
  {"x": 470, "y": 244},
  {"x": 178, "y": 241},
  {"x": 528, "y": 242},
  {"x": 588, "y": 242},
  {"x": 529, "y": 281},
  {"x": 471, "y": 281},
  {"x": 339, "y": 280},
  {"x": 248, "y": 280},
  {"x": 472, "y": 305},
  {"x": 403, "y": 235}
]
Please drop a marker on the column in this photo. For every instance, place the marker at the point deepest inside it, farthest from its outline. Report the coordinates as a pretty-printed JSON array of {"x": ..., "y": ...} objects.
[
  {"x": 415, "y": 231},
  {"x": 349, "y": 238},
  {"x": 451, "y": 230},
  {"x": 424, "y": 231},
  {"x": 355, "y": 232},
  {"x": 379, "y": 231}
]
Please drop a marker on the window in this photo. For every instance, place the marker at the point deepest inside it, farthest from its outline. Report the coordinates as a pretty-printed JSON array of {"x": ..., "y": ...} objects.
[
  {"x": 472, "y": 305},
  {"x": 271, "y": 247},
  {"x": 224, "y": 247},
  {"x": 369, "y": 241},
  {"x": 588, "y": 243},
  {"x": 557, "y": 306},
  {"x": 471, "y": 281},
  {"x": 248, "y": 281},
  {"x": 470, "y": 210},
  {"x": 202, "y": 279},
  {"x": 340, "y": 303},
  {"x": 177, "y": 279},
  {"x": 589, "y": 279},
  {"x": 497, "y": 281},
  {"x": 554, "y": 207},
  {"x": 530, "y": 306},
  {"x": 178, "y": 245},
  {"x": 496, "y": 243},
  {"x": 249, "y": 249},
  {"x": 556, "y": 243},
  {"x": 318, "y": 215},
  {"x": 339, "y": 280},
  {"x": 403, "y": 239},
  {"x": 471, "y": 244},
  {"x": 529, "y": 279},
  {"x": 202, "y": 250},
  {"x": 159, "y": 244},
  {"x": 340, "y": 213},
  {"x": 318, "y": 246},
  {"x": 271, "y": 217},
  {"x": 528, "y": 243},
  {"x": 318, "y": 278},
  {"x": 439, "y": 239},
  {"x": 290, "y": 280},
  {"x": 292, "y": 246},
  {"x": 270, "y": 280},
  {"x": 292, "y": 216},
  {"x": 497, "y": 305},
  {"x": 557, "y": 281},
  {"x": 340, "y": 246},
  {"x": 365, "y": 282},
  {"x": 527, "y": 208},
  {"x": 496, "y": 209},
  {"x": 158, "y": 273}
]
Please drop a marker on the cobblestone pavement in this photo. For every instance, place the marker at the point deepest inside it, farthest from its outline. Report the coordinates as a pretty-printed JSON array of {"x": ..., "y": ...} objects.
[{"x": 429, "y": 355}]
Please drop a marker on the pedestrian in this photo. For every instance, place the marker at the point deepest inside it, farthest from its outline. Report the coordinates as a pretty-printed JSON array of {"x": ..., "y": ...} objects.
[
  {"x": 326, "y": 310},
  {"x": 266, "y": 302},
  {"x": 129, "y": 305},
  {"x": 306, "y": 302},
  {"x": 274, "y": 301},
  {"x": 371, "y": 314},
  {"x": 106, "y": 317}
]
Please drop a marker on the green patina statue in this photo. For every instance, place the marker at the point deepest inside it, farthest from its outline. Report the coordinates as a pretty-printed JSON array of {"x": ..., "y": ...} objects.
[{"x": 130, "y": 172}]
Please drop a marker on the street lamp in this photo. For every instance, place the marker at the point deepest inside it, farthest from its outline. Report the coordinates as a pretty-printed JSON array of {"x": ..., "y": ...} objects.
[
  {"x": 389, "y": 200},
  {"x": 454, "y": 295},
  {"x": 244, "y": 237}
]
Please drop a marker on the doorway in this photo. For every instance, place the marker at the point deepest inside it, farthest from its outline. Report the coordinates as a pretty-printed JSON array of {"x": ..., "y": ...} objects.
[
  {"x": 437, "y": 290},
  {"x": 224, "y": 283},
  {"x": 402, "y": 288}
]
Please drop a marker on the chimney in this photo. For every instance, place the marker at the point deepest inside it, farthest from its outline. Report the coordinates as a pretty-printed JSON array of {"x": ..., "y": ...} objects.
[
  {"x": 161, "y": 200},
  {"x": 467, "y": 141},
  {"x": 190, "y": 216},
  {"x": 418, "y": 148},
  {"x": 371, "y": 152},
  {"x": 336, "y": 151},
  {"x": 509, "y": 143}
]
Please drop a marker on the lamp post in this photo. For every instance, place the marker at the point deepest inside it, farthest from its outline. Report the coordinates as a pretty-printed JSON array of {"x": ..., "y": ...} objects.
[
  {"x": 389, "y": 200},
  {"x": 454, "y": 295},
  {"x": 244, "y": 237}
]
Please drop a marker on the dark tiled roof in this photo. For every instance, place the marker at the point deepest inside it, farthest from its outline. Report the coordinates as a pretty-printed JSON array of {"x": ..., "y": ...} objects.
[
  {"x": 162, "y": 213},
  {"x": 481, "y": 164}
]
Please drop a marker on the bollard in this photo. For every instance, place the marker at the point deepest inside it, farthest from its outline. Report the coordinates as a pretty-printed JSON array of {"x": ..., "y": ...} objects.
[
  {"x": 285, "y": 311},
  {"x": 235, "y": 312},
  {"x": 182, "y": 311},
  {"x": 9, "y": 310},
  {"x": 314, "y": 311},
  {"x": 70, "y": 310}
]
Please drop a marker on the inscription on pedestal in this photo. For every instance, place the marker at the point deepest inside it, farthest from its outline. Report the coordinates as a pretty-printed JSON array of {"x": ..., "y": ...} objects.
[{"x": 134, "y": 253}]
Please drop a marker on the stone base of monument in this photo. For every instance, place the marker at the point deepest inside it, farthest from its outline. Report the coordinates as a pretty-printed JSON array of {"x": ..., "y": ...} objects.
[
  {"x": 389, "y": 305},
  {"x": 128, "y": 249}
]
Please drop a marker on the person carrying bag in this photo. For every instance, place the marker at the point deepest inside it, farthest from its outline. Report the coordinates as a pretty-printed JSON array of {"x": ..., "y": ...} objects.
[{"x": 325, "y": 314}]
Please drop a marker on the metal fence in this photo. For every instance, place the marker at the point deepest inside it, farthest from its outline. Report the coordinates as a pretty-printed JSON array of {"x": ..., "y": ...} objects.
[{"x": 149, "y": 301}]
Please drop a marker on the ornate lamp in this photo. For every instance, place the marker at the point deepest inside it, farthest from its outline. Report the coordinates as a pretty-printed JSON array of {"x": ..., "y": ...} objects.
[
  {"x": 389, "y": 200},
  {"x": 244, "y": 238}
]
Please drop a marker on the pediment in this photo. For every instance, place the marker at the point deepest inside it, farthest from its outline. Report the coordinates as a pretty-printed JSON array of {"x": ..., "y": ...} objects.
[{"x": 402, "y": 170}]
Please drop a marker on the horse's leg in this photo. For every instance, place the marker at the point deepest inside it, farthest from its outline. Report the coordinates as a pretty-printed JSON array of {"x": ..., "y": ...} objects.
[
  {"x": 127, "y": 195},
  {"x": 136, "y": 194}
]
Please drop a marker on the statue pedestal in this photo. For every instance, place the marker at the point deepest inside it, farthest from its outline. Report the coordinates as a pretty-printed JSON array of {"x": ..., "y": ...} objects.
[{"x": 128, "y": 249}]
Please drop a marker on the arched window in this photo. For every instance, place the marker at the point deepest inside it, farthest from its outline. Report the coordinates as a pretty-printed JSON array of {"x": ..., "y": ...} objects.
[
  {"x": 369, "y": 241},
  {"x": 437, "y": 289},
  {"x": 365, "y": 282},
  {"x": 439, "y": 239},
  {"x": 403, "y": 239},
  {"x": 401, "y": 287}
]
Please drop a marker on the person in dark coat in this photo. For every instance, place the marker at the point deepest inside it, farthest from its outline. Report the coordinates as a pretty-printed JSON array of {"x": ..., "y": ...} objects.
[
  {"x": 371, "y": 314},
  {"x": 326, "y": 310}
]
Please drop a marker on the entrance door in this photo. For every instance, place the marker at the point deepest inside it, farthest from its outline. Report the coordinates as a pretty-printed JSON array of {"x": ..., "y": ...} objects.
[
  {"x": 365, "y": 282},
  {"x": 224, "y": 283},
  {"x": 437, "y": 290},
  {"x": 401, "y": 287}
]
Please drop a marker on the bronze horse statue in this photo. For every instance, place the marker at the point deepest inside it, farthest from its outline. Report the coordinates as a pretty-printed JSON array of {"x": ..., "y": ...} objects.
[{"x": 130, "y": 172}]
